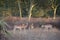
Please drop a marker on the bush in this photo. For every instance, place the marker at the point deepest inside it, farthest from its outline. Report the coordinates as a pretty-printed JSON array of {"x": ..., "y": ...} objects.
[{"x": 3, "y": 31}]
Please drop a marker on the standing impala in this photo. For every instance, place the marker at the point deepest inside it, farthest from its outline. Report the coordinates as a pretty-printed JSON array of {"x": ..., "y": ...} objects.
[{"x": 20, "y": 27}]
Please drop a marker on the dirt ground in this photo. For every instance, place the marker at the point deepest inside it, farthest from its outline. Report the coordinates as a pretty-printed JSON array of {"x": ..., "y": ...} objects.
[{"x": 35, "y": 34}]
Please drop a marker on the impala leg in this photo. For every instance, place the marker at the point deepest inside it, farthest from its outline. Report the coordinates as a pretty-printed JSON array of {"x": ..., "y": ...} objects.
[
  {"x": 14, "y": 30},
  {"x": 20, "y": 29}
]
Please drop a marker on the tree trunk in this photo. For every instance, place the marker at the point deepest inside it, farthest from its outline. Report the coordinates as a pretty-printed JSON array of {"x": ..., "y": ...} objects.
[
  {"x": 19, "y": 9},
  {"x": 55, "y": 13},
  {"x": 30, "y": 12}
]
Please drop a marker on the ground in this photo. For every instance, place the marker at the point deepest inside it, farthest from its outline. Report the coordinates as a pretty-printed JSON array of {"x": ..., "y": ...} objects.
[{"x": 35, "y": 34}]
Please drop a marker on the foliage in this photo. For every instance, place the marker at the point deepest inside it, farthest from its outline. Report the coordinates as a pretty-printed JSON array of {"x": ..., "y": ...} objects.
[
  {"x": 3, "y": 31},
  {"x": 11, "y": 6}
]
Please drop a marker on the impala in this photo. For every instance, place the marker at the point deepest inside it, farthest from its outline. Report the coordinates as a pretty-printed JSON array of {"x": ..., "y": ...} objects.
[
  {"x": 20, "y": 27},
  {"x": 47, "y": 26}
]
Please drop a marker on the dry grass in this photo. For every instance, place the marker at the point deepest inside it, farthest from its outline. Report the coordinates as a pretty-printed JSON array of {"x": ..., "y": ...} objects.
[{"x": 35, "y": 34}]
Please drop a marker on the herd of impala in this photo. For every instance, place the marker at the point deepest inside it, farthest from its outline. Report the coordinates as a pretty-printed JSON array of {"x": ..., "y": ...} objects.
[{"x": 24, "y": 26}]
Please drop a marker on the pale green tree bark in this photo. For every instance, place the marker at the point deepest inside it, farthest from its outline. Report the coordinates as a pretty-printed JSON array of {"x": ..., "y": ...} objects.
[
  {"x": 54, "y": 7},
  {"x": 19, "y": 5},
  {"x": 30, "y": 10}
]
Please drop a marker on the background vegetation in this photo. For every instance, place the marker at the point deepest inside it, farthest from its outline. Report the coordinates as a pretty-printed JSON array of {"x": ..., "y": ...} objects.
[{"x": 42, "y": 8}]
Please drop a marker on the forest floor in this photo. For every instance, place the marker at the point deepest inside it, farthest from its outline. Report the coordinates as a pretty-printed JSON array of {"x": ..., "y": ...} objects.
[{"x": 35, "y": 34}]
